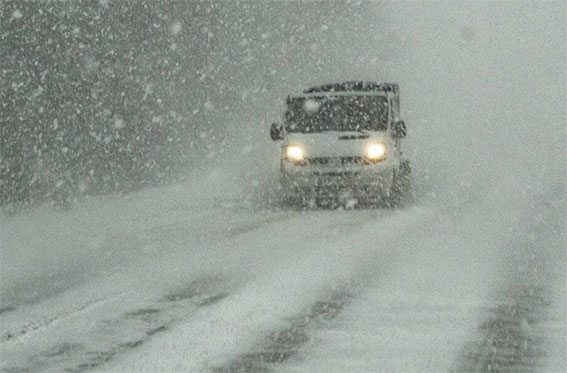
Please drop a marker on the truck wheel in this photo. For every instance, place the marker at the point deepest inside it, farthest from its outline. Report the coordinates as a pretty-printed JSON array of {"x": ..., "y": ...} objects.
[
  {"x": 292, "y": 202},
  {"x": 401, "y": 185}
]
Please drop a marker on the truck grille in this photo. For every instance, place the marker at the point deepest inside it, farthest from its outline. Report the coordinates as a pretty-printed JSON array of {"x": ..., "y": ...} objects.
[
  {"x": 345, "y": 174},
  {"x": 335, "y": 161}
]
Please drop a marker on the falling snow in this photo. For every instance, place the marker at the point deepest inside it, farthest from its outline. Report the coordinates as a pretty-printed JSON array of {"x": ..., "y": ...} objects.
[
  {"x": 176, "y": 28},
  {"x": 143, "y": 225},
  {"x": 17, "y": 14}
]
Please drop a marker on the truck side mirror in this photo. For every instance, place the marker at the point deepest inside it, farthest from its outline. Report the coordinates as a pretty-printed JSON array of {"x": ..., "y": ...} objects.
[
  {"x": 399, "y": 130},
  {"x": 276, "y": 132}
]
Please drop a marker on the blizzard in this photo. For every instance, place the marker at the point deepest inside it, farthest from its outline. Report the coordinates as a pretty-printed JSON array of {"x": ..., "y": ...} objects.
[{"x": 212, "y": 274}]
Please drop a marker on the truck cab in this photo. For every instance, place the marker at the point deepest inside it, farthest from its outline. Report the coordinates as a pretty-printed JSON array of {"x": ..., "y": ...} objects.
[{"x": 343, "y": 142}]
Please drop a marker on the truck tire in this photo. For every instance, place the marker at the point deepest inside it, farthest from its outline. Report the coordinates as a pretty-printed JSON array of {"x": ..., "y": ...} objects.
[{"x": 401, "y": 185}]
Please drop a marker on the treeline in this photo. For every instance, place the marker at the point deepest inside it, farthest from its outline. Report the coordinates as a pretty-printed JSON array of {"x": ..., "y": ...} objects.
[{"x": 110, "y": 96}]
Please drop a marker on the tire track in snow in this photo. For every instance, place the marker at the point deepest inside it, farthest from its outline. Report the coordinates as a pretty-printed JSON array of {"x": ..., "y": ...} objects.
[
  {"x": 201, "y": 335},
  {"x": 7, "y": 309},
  {"x": 153, "y": 321},
  {"x": 102, "y": 340},
  {"x": 247, "y": 228},
  {"x": 512, "y": 335},
  {"x": 282, "y": 344},
  {"x": 43, "y": 323},
  {"x": 118, "y": 334},
  {"x": 97, "y": 341},
  {"x": 509, "y": 338}
]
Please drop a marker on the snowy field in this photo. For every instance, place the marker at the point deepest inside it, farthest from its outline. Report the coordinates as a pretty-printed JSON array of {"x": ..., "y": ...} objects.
[{"x": 211, "y": 274}]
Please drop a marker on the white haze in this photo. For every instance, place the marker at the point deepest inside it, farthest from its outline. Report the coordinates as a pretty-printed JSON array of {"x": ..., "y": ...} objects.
[
  {"x": 483, "y": 88},
  {"x": 483, "y": 91}
]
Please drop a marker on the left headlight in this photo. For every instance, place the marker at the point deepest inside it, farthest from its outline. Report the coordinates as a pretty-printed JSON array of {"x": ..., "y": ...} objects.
[
  {"x": 294, "y": 153},
  {"x": 376, "y": 152}
]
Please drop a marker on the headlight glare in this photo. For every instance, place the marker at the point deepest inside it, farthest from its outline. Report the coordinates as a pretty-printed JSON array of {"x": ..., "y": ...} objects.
[
  {"x": 294, "y": 153},
  {"x": 376, "y": 152}
]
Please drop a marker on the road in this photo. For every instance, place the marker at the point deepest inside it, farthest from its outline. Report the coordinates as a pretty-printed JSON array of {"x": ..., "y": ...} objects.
[{"x": 169, "y": 281}]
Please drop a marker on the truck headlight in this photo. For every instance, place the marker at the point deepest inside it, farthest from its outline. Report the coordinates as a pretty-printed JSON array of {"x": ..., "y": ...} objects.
[
  {"x": 294, "y": 153},
  {"x": 376, "y": 152}
]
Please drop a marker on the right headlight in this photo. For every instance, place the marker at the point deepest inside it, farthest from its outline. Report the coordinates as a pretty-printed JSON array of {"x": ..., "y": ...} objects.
[{"x": 376, "y": 152}]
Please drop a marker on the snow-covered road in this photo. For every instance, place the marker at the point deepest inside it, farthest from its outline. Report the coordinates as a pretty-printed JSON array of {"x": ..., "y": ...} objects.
[
  {"x": 208, "y": 283},
  {"x": 210, "y": 275}
]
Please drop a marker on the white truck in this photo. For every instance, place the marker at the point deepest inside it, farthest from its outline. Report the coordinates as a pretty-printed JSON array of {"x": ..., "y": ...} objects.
[{"x": 341, "y": 143}]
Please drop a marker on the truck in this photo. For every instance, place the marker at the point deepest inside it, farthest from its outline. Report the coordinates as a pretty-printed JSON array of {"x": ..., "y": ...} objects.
[{"x": 341, "y": 144}]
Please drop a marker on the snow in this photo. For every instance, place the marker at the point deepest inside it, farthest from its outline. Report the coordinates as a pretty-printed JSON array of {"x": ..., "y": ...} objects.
[
  {"x": 16, "y": 14},
  {"x": 118, "y": 123},
  {"x": 198, "y": 274},
  {"x": 421, "y": 317},
  {"x": 176, "y": 28},
  {"x": 419, "y": 298}
]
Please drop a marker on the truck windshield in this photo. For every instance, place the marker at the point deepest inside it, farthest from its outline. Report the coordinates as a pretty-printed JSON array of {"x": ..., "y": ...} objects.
[{"x": 337, "y": 113}]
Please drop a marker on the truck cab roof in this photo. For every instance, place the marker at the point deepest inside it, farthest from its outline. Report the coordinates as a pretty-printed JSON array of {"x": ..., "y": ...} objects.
[
  {"x": 354, "y": 86},
  {"x": 351, "y": 88}
]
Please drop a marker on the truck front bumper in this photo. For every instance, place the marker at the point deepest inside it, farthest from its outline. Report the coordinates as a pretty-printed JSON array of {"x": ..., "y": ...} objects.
[{"x": 368, "y": 181}]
